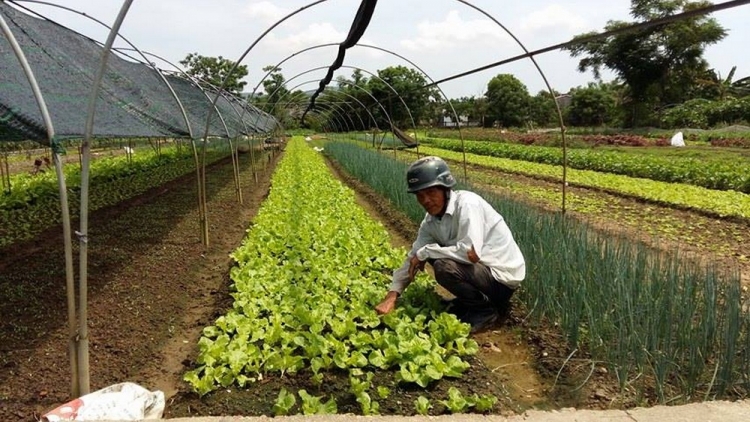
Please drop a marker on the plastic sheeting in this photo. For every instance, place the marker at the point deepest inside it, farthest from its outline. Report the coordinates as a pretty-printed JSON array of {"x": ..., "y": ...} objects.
[{"x": 133, "y": 101}]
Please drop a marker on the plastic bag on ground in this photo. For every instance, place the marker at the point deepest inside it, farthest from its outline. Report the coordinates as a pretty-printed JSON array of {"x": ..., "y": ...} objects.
[
  {"x": 677, "y": 140},
  {"x": 120, "y": 402}
]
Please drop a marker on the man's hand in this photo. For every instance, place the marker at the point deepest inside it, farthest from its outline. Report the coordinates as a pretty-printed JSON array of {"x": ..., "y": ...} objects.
[
  {"x": 472, "y": 255},
  {"x": 415, "y": 265},
  {"x": 388, "y": 304}
]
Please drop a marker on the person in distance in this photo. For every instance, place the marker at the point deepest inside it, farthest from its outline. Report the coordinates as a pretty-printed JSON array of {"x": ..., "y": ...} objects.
[{"x": 467, "y": 243}]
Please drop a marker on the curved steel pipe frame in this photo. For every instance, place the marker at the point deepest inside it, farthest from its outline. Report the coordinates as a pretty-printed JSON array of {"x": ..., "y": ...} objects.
[
  {"x": 385, "y": 112},
  {"x": 549, "y": 88},
  {"x": 244, "y": 105},
  {"x": 343, "y": 112},
  {"x": 318, "y": 80},
  {"x": 352, "y": 67},
  {"x": 247, "y": 51},
  {"x": 83, "y": 350},
  {"x": 64, "y": 207},
  {"x": 393, "y": 53}
]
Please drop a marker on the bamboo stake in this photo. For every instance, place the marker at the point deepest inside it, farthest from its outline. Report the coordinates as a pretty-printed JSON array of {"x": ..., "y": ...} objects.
[
  {"x": 5, "y": 173},
  {"x": 204, "y": 195},
  {"x": 235, "y": 172},
  {"x": 252, "y": 159},
  {"x": 201, "y": 219},
  {"x": 239, "y": 180}
]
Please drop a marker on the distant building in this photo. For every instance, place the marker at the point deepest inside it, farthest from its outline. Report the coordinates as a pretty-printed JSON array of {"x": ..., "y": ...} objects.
[{"x": 447, "y": 121}]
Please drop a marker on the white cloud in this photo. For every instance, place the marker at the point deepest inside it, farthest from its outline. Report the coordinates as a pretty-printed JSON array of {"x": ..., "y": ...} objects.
[
  {"x": 553, "y": 16},
  {"x": 265, "y": 11},
  {"x": 371, "y": 53},
  {"x": 314, "y": 34},
  {"x": 453, "y": 31}
]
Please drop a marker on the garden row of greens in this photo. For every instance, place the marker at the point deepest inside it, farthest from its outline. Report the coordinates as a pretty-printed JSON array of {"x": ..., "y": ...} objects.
[
  {"x": 657, "y": 322},
  {"x": 579, "y": 137},
  {"x": 34, "y": 201},
  {"x": 727, "y": 175},
  {"x": 305, "y": 285},
  {"x": 707, "y": 201}
]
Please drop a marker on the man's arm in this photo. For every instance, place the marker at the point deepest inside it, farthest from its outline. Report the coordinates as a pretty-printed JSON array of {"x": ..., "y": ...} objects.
[{"x": 404, "y": 275}]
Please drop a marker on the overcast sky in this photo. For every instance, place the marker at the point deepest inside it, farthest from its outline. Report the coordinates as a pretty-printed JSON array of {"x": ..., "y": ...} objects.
[{"x": 442, "y": 37}]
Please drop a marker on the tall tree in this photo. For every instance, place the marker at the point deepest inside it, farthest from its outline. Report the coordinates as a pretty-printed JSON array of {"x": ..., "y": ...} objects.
[
  {"x": 353, "y": 93},
  {"x": 542, "y": 110},
  {"x": 410, "y": 87},
  {"x": 275, "y": 88},
  {"x": 507, "y": 101},
  {"x": 213, "y": 70},
  {"x": 714, "y": 86},
  {"x": 659, "y": 64},
  {"x": 592, "y": 105}
]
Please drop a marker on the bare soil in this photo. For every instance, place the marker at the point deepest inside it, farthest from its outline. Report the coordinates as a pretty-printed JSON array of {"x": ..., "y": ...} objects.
[{"x": 152, "y": 288}]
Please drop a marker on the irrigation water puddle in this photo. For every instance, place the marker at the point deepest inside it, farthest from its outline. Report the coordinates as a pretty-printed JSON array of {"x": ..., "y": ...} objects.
[{"x": 506, "y": 354}]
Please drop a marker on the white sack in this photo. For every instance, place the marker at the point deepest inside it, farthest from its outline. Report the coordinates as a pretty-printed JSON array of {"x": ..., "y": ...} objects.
[{"x": 120, "y": 402}]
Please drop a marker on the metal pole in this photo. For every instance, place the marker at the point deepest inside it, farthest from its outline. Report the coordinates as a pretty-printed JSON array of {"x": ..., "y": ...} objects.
[
  {"x": 62, "y": 188},
  {"x": 83, "y": 350}
]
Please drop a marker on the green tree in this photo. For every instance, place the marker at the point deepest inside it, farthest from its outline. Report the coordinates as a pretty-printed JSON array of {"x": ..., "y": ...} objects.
[
  {"x": 463, "y": 107},
  {"x": 507, "y": 101},
  {"x": 275, "y": 93},
  {"x": 592, "y": 105},
  {"x": 715, "y": 87},
  {"x": 354, "y": 93},
  {"x": 542, "y": 110},
  {"x": 659, "y": 64},
  {"x": 213, "y": 70},
  {"x": 410, "y": 87},
  {"x": 474, "y": 108},
  {"x": 275, "y": 87}
]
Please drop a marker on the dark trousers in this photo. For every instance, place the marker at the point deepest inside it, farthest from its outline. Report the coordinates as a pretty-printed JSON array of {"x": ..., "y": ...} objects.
[{"x": 472, "y": 284}]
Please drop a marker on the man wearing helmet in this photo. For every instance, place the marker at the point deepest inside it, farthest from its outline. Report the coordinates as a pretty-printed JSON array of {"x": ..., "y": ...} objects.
[{"x": 468, "y": 244}]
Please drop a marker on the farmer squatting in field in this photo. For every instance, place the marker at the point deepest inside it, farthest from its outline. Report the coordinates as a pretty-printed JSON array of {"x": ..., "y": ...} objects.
[{"x": 468, "y": 244}]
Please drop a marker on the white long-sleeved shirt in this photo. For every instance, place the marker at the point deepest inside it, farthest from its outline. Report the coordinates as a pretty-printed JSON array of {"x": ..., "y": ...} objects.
[{"x": 469, "y": 221}]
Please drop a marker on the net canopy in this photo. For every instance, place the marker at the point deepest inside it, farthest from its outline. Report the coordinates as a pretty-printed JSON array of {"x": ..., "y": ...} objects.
[
  {"x": 134, "y": 99},
  {"x": 403, "y": 137}
]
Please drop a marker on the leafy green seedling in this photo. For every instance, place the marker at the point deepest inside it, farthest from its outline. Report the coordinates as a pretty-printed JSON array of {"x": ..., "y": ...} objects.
[
  {"x": 456, "y": 402},
  {"x": 484, "y": 403},
  {"x": 422, "y": 404},
  {"x": 284, "y": 403},
  {"x": 383, "y": 392},
  {"x": 312, "y": 405}
]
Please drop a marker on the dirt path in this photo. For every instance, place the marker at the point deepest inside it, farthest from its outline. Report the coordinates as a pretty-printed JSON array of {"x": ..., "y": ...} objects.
[{"x": 153, "y": 287}]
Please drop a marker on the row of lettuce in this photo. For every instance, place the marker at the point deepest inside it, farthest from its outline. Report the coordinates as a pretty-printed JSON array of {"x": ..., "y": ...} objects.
[
  {"x": 33, "y": 203},
  {"x": 720, "y": 175},
  {"x": 714, "y": 203},
  {"x": 306, "y": 280},
  {"x": 677, "y": 195},
  {"x": 659, "y": 322}
]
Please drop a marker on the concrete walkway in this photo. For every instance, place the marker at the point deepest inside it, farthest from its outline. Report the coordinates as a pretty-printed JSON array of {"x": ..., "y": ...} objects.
[{"x": 716, "y": 411}]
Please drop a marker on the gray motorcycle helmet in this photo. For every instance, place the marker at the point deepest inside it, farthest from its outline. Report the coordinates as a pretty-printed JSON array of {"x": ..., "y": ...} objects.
[{"x": 428, "y": 172}]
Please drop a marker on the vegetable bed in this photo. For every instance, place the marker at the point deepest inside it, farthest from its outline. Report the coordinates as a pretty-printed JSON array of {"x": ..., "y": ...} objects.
[{"x": 302, "y": 335}]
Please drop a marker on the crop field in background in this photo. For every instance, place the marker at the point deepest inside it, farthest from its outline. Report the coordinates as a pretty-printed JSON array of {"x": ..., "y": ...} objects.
[{"x": 637, "y": 296}]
